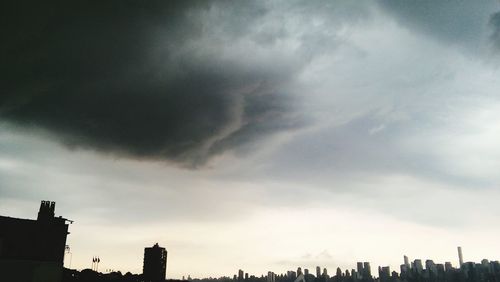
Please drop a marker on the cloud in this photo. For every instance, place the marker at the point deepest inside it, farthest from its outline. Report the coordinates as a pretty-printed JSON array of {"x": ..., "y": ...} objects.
[
  {"x": 400, "y": 130},
  {"x": 495, "y": 24},
  {"x": 460, "y": 23},
  {"x": 140, "y": 80}
]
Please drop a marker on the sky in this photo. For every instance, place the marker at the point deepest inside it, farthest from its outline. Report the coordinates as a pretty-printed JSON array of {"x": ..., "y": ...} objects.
[{"x": 255, "y": 135}]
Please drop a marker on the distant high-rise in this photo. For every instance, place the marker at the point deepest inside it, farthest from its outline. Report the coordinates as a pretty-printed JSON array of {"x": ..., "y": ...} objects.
[
  {"x": 318, "y": 271},
  {"x": 240, "y": 274},
  {"x": 299, "y": 271},
  {"x": 417, "y": 264},
  {"x": 440, "y": 269},
  {"x": 155, "y": 264},
  {"x": 306, "y": 272},
  {"x": 271, "y": 277},
  {"x": 367, "y": 272},
  {"x": 407, "y": 261},
  {"x": 460, "y": 257},
  {"x": 384, "y": 273},
  {"x": 359, "y": 270},
  {"x": 430, "y": 266}
]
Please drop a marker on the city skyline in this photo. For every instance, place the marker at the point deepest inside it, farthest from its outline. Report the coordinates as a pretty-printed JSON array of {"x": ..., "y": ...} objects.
[
  {"x": 42, "y": 242},
  {"x": 256, "y": 135},
  {"x": 47, "y": 210}
]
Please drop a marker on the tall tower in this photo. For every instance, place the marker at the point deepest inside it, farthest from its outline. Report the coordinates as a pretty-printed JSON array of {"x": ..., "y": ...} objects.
[
  {"x": 367, "y": 270},
  {"x": 460, "y": 257},
  {"x": 270, "y": 276},
  {"x": 359, "y": 268},
  {"x": 240, "y": 275},
  {"x": 155, "y": 264},
  {"x": 318, "y": 271}
]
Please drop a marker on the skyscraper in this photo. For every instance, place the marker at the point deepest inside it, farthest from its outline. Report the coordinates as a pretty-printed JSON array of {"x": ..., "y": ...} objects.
[
  {"x": 417, "y": 264},
  {"x": 384, "y": 273},
  {"x": 155, "y": 264},
  {"x": 367, "y": 272},
  {"x": 430, "y": 266},
  {"x": 270, "y": 277},
  {"x": 338, "y": 273},
  {"x": 359, "y": 268},
  {"x": 318, "y": 271},
  {"x": 407, "y": 261},
  {"x": 460, "y": 257},
  {"x": 240, "y": 274}
]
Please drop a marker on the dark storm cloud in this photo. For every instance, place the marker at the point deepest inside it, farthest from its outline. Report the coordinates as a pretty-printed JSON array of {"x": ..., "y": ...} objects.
[
  {"x": 495, "y": 24},
  {"x": 463, "y": 23},
  {"x": 136, "y": 79}
]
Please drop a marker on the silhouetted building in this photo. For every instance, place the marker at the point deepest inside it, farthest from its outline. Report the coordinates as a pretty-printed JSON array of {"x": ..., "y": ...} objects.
[
  {"x": 384, "y": 273},
  {"x": 270, "y": 277},
  {"x": 359, "y": 270},
  {"x": 338, "y": 273},
  {"x": 460, "y": 257},
  {"x": 406, "y": 261},
  {"x": 33, "y": 250},
  {"x": 155, "y": 264},
  {"x": 417, "y": 266},
  {"x": 367, "y": 272},
  {"x": 448, "y": 266}
]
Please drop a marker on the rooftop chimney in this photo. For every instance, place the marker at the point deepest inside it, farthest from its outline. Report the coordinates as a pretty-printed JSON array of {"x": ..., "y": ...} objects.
[{"x": 47, "y": 210}]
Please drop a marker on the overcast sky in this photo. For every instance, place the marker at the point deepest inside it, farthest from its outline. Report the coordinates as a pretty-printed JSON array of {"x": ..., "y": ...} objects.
[{"x": 261, "y": 135}]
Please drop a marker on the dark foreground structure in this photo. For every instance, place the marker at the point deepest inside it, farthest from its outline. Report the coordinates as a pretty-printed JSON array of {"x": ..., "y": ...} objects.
[
  {"x": 155, "y": 264},
  {"x": 33, "y": 250}
]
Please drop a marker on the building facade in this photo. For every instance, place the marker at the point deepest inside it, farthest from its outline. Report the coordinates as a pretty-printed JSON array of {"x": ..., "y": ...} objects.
[
  {"x": 155, "y": 264},
  {"x": 33, "y": 250}
]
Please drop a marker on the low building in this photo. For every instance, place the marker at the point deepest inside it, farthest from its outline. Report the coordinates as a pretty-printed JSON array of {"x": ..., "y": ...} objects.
[{"x": 33, "y": 250}]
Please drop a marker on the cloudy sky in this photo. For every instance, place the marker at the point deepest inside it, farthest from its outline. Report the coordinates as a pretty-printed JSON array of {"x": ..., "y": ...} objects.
[{"x": 261, "y": 135}]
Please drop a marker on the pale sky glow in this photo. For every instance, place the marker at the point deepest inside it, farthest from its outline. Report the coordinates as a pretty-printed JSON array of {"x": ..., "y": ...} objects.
[{"x": 267, "y": 136}]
